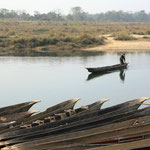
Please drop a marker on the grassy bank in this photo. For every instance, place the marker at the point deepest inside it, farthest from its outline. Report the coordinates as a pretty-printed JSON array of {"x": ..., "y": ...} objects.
[{"x": 32, "y": 38}]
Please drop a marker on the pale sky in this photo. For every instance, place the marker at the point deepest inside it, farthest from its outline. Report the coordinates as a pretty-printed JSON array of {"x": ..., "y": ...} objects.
[{"x": 64, "y": 6}]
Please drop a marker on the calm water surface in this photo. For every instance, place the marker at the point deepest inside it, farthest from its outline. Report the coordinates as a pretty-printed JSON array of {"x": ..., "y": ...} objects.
[{"x": 55, "y": 79}]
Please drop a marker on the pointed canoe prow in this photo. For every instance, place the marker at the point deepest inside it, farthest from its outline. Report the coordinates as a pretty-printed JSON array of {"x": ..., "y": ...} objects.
[
  {"x": 35, "y": 101},
  {"x": 103, "y": 100},
  {"x": 75, "y": 100},
  {"x": 143, "y": 99}
]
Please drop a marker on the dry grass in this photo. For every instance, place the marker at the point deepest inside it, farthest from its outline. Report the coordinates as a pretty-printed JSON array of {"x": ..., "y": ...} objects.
[{"x": 51, "y": 38}]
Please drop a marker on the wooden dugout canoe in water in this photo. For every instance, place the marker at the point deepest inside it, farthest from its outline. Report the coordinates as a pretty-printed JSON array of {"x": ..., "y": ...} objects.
[
  {"x": 108, "y": 68},
  {"x": 46, "y": 130}
]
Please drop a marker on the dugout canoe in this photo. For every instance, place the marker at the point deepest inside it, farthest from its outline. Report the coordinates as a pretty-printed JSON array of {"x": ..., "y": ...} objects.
[
  {"x": 98, "y": 144},
  {"x": 143, "y": 144},
  {"x": 7, "y": 125},
  {"x": 92, "y": 107},
  {"x": 10, "y": 121},
  {"x": 68, "y": 113},
  {"x": 18, "y": 117},
  {"x": 49, "y": 130},
  {"x": 130, "y": 143},
  {"x": 107, "y": 68},
  {"x": 22, "y": 107},
  {"x": 82, "y": 139},
  {"x": 7, "y": 108},
  {"x": 68, "y": 104}
]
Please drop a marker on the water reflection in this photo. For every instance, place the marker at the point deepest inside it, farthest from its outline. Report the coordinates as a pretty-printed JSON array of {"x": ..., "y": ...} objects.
[
  {"x": 122, "y": 75},
  {"x": 95, "y": 75}
]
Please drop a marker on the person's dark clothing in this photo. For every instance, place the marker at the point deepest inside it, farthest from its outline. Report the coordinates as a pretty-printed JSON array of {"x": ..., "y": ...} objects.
[{"x": 122, "y": 59}]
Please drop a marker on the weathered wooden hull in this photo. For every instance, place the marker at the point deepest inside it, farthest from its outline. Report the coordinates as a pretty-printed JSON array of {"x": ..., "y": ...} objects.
[
  {"x": 7, "y": 125},
  {"x": 110, "y": 134},
  {"x": 67, "y": 113},
  {"x": 107, "y": 68},
  {"x": 135, "y": 145},
  {"x": 17, "y": 108},
  {"x": 102, "y": 144},
  {"x": 32, "y": 134},
  {"x": 69, "y": 104},
  {"x": 18, "y": 117},
  {"x": 10, "y": 121},
  {"x": 91, "y": 107}
]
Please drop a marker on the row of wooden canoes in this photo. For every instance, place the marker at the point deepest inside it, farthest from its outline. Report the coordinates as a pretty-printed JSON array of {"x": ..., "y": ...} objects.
[
  {"x": 63, "y": 114},
  {"x": 15, "y": 114},
  {"x": 85, "y": 128},
  {"x": 76, "y": 112}
]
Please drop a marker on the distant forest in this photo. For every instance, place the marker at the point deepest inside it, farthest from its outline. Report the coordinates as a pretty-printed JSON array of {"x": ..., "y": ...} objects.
[{"x": 77, "y": 14}]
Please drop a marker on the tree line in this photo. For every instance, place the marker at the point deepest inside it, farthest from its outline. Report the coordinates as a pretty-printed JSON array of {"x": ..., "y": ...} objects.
[{"x": 77, "y": 14}]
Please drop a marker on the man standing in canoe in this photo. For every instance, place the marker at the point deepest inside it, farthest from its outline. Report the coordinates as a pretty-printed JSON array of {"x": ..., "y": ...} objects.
[{"x": 122, "y": 59}]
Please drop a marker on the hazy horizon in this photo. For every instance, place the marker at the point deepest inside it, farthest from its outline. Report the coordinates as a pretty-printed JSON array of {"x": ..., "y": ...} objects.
[{"x": 64, "y": 6}]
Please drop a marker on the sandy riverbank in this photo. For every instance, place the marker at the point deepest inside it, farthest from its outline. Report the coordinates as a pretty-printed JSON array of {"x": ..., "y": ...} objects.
[{"x": 139, "y": 45}]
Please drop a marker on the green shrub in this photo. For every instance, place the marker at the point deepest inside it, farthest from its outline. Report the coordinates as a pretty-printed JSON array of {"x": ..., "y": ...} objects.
[
  {"x": 139, "y": 33},
  {"x": 3, "y": 45},
  {"x": 87, "y": 39},
  {"x": 124, "y": 37},
  {"x": 40, "y": 30},
  {"x": 4, "y": 36},
  {"x": 67, "y": 39},
  {"x": 148, "y": 32},
  {"x": 21, "y": 41},
  {"x": 19, "y": 46},
  {"x": 146, "y": 37}
]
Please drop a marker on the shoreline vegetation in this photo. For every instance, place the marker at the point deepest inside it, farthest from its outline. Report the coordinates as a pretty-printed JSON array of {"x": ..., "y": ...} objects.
[{"x": 71, "y": 38}]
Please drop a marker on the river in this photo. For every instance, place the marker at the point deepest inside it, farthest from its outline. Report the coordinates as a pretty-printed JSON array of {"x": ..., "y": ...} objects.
[{"x": 55, "y": 79}]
